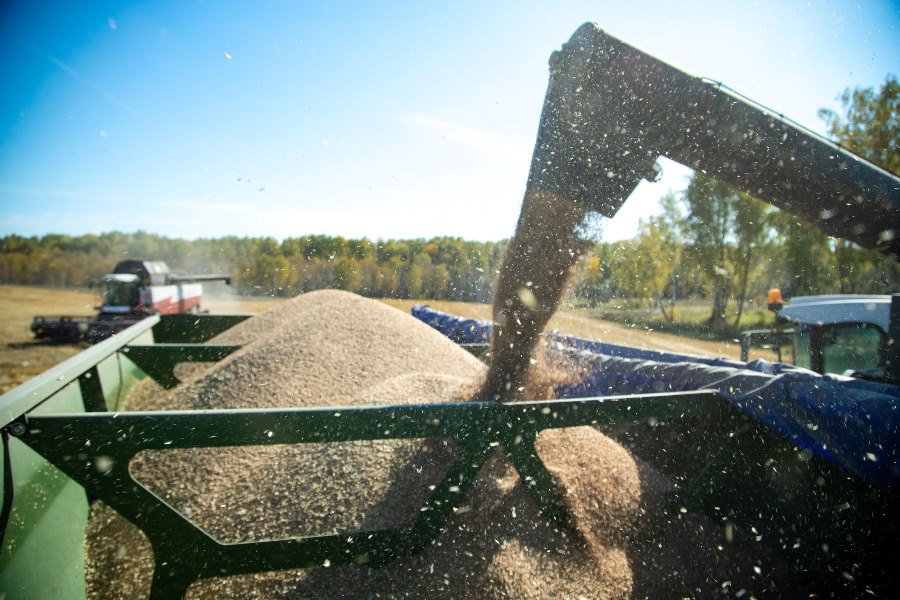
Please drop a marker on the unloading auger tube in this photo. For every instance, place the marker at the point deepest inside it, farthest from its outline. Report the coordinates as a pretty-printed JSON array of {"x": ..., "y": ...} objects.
[{"x": 610, "y": 111}]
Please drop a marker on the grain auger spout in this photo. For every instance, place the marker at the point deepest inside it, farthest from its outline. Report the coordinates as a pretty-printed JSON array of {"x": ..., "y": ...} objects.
[{"x": 610, "y": 111}]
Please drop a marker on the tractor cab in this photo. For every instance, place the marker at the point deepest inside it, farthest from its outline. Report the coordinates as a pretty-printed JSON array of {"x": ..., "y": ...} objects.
[
  {"x": 120, "y": 293},
  {"x": 842, "y": 334},
  {"x": 839, "y": 334}
]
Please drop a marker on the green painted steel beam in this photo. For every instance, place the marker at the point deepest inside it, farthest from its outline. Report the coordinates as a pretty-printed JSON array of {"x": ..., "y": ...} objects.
[
  {"x": 190, "y": 328},
  {"x": 184, "y": 553},
  {"x": 92, "y": 390},
  {"x": 49, "y": 509},
  {"x": 243, "y": 427},
  {"x": 32, "y": 393},
  {"x": 43, "y": 544},
  {"x": 611, "y": 410},
  {"x": 159, "y": 360}
]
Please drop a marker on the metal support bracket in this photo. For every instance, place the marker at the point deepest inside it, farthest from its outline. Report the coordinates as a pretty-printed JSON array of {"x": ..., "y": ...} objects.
[
  {"x": 159, "y": 360},
  {"x": 92, "y": 391},
  {"x": 183, "y": 328}
]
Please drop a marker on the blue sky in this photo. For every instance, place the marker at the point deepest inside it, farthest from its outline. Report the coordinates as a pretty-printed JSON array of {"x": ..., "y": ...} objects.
[{"x": 385, "y": 120}]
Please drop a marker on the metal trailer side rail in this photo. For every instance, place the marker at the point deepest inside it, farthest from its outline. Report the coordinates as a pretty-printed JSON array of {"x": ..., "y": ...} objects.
[
  {"x": 738, "y": 476},
  {"x": 184, "y": 552},
  {"x": 44, "y": 510},
  {"x": 63, "y": 418}
]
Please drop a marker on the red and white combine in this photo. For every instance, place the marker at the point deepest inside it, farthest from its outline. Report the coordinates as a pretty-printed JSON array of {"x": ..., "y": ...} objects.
[{"x": 134, "y": 290}]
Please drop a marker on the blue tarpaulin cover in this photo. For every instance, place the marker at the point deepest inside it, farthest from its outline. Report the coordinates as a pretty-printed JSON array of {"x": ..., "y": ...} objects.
[{"x": 851, "y": 423}]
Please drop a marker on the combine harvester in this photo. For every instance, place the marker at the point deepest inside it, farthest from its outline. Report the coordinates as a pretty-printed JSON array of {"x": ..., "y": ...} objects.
[
  {"x": 808, "y": 462},
  {"x": 134, "y": 290}
]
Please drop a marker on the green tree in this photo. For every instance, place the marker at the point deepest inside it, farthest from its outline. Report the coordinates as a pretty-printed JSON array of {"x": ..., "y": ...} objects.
[
  {"x": 869, "y": 126},
  {"x": 671, "y": 227},
  {"x": 710, "y": 221},
  {"x": 416, "y": 276},
  {"x": 347, "y": 274},
  {"x": 653, "y": 263},
  {"x": 439, "y": 282},
  {"x": 590, "y": 285},
  {"x": 751, "y": 230},
  {"x": 625, "y": 277},
  {"x": 806, "y": 255}
]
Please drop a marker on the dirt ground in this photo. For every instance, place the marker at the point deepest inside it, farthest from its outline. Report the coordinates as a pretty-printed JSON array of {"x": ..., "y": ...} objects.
[{"x": 22, "y": 357}]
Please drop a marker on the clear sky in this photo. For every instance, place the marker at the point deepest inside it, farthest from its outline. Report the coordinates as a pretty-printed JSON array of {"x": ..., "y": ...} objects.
[{"x": 380, "y": 119}]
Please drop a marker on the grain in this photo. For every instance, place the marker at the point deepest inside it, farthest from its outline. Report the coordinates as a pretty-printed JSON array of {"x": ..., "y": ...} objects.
[{"x": 329, "y": 349}]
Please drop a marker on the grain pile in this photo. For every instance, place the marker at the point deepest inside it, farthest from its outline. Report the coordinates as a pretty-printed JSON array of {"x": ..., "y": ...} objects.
[{"x": 331, "y": 348}]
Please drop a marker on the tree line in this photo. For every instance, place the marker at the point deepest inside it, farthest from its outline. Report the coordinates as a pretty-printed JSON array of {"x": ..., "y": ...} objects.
[
  {"x": 714, "y": 243},
  {"x": 440, "y": 268},
  {"x": 708, "y": 242}
]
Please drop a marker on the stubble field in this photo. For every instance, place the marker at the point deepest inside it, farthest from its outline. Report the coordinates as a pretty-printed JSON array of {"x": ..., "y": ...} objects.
[{"x": 22, "y": 357}]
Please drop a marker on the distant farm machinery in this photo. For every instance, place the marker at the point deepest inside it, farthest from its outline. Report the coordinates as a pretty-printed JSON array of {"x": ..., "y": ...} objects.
[{"x": 134, "y": 290}]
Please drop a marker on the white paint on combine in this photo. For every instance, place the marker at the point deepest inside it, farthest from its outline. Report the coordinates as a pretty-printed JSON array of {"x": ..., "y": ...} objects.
[{"x": 173, "y": 299}]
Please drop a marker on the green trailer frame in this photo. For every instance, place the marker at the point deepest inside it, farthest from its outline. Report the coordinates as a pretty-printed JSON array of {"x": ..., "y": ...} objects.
[
  {"x": 67, "y": 442},
  {"x": 45, "y": 512}
]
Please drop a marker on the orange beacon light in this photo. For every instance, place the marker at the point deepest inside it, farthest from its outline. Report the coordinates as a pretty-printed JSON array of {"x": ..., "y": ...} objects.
[{"x": 775, "y": 300}]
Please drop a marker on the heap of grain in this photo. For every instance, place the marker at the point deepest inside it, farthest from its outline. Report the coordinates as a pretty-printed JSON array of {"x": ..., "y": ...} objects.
[
  {"x": 328, "y": 349},
  {"x": 332, "y": 348}
]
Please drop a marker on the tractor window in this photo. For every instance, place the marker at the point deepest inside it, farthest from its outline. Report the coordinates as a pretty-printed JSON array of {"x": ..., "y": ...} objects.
[
  {"x": 851, "y": 349},
  {"x": 803, "y": 348},
  {"x": 120, "y": 293}
]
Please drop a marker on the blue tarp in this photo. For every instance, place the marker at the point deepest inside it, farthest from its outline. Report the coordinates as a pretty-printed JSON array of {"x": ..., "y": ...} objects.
[
  {"x": 851, "y": 423},
  {"x": 461, "y": 331}
]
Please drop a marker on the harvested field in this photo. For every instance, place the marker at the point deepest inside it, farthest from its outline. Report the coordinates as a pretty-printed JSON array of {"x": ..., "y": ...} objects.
[
  {"x": 22, "y": 357},
  {"x": 332, "y": 348}
]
